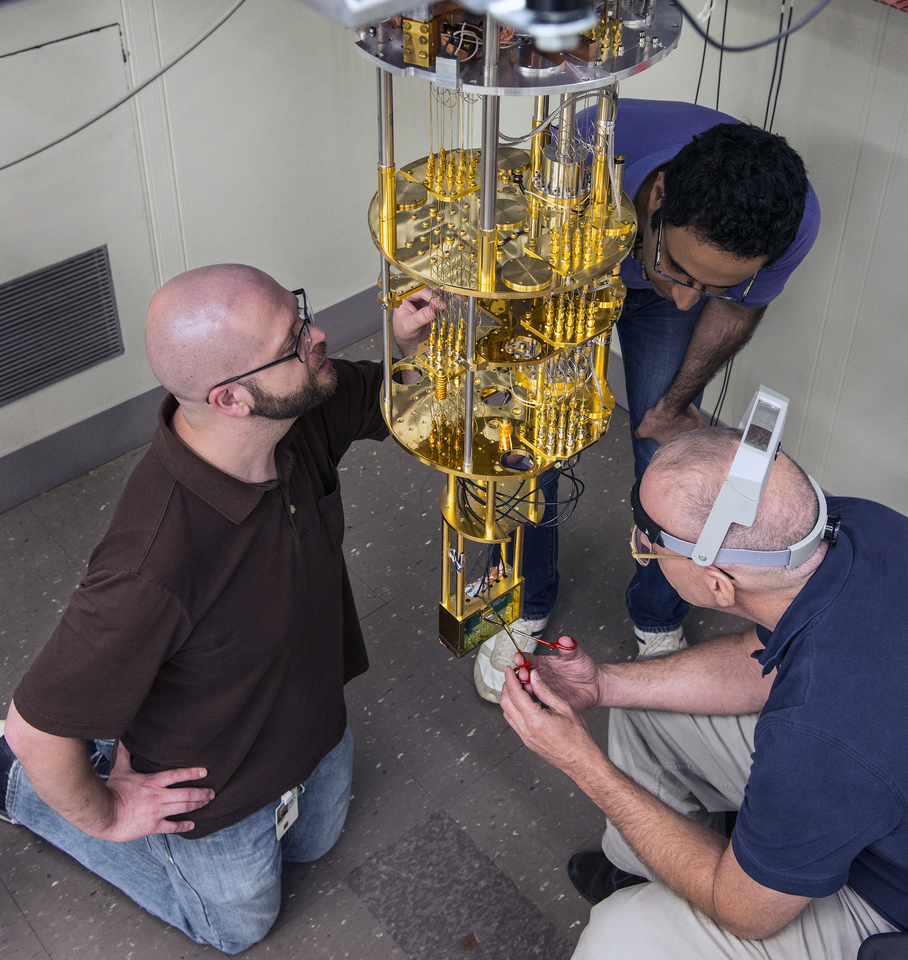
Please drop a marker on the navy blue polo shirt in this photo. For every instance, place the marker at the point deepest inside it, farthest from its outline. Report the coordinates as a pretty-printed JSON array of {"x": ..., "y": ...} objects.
[{"x": 827, "y": 799}]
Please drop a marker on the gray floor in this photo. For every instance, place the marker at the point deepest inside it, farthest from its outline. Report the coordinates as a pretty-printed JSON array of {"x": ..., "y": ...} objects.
[{"x": 456, "y": 832}]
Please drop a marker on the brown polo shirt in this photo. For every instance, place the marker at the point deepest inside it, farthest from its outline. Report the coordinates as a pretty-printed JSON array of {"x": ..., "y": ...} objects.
[{"x": 216, "y": 625}]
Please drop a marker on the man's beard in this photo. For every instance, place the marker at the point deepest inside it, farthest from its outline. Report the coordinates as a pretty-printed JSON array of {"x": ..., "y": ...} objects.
[{"x": 309, "y": 394}]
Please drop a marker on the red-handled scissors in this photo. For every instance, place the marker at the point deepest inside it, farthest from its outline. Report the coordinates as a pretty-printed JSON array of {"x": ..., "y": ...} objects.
[{"x": 524, "y": 665}]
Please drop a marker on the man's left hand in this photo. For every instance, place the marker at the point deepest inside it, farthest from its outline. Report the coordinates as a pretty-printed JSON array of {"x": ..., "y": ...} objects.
[{"x": 558, "y": 734}]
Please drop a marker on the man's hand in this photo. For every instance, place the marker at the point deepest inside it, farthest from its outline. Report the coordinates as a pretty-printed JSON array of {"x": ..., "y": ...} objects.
[
  {"x": 559, "y": 734},
  {"x": 571, "y": 675},
  {"x": 129, "y": 806},
  {"x": 661, "y": 423},
  {"x": 412, "y": 320},
  {"x": 721, "y": 331},
  {"x": 142, "y": 802}
]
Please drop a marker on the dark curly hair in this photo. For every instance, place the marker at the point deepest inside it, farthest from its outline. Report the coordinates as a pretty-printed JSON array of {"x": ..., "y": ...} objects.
[{"x": 738, "y": 188}]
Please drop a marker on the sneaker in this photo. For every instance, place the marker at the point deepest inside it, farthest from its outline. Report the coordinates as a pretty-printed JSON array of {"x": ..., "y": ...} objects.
[
  {"x": 6, "y": 761},
  {"x": 659, "y": 644},
  {"x": 498, "y": 652},
  {"x": 98, "y": 760},
  {"x": 595, "y": 877}
]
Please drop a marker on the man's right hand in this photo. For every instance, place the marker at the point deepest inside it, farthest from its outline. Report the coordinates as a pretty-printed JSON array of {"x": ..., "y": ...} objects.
[
  {"x": 661, "y": 422},
  {"x": 128, "y": 806},
  {"x": 143, "y": 801},
  {"x": 573, "y": 676}
]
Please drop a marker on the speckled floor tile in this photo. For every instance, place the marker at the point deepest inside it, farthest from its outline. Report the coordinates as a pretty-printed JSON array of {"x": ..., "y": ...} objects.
[{"x": 435, "y": 893}]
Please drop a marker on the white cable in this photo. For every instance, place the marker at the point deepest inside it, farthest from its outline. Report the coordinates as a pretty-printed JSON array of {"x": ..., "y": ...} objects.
[
  {"x": 707, "y": 11},
  {"x": 131, "y": 93}
]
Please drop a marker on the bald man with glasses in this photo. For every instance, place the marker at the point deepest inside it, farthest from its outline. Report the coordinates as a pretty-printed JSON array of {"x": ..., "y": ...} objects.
[
  {"x": 797, "y": 724},
  {"x": 183, "y": 732}
]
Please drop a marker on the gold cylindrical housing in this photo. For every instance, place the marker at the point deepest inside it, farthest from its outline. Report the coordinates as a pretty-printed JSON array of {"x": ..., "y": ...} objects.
[
  {"x": 445, "y": 564},
  {"x": 491, "y": 490},
  {"x": 387, "y": 199},
  {"x": 488, "y": 246},
  {"x": 560, "y": 178}
]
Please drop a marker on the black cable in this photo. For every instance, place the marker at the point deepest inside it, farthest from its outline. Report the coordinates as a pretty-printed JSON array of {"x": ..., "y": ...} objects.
[
  {"x": 726, "y": 379},
  {"x": 775, "y": 64},
  {"x": 131, "y": 93},
  {"x": 772, "y": 119},
  {"x": 762, "y": 43},
  {"x": 565, "y": 505},
  {"x": 721, "y": 53},
  {"x": 709, "y": 20}
]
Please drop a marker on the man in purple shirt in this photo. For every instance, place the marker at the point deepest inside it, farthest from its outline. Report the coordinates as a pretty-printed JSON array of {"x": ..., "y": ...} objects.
[{"x": 725, "y": 214}]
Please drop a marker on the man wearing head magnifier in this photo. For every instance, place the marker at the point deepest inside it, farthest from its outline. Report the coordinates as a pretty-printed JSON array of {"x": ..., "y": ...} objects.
[{"x": 796, "y": 724}]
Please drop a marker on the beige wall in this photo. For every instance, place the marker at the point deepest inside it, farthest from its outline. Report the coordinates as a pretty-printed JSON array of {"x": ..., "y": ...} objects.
[
  {"x": 260, "y": 147},
  {"x": 836, "y": 340}
]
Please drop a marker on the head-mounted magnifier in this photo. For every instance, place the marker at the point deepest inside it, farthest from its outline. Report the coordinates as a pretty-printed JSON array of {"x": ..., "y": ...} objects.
[{"x": 741, "y": 496}]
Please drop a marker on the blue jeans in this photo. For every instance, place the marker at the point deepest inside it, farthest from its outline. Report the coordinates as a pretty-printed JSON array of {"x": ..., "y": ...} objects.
[
  {"x": 223, "y": 889},
  {"x": 540, "y": 556},
  {"x": 654, "y": 336}
]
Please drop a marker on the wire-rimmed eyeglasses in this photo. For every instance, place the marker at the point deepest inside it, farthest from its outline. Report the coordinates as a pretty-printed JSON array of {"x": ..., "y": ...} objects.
[
  {"x": 305, "y": 335},
  {"x": 644, "y": 558},
  {"x": 641, "y": 556},
  {"x": 693, "y": 283}
]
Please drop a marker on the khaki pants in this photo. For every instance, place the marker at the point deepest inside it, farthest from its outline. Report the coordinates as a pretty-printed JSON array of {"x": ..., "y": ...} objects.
[{"x": 699, "y": 766}]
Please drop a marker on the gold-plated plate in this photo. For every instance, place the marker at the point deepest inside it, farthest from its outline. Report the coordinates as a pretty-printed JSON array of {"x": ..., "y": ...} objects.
[
  {"x": 409, "y": 195},
  {"x": 510, "y": 213},
  {"x": 513, "y": 160},
  {"x": 527, "y": 274}
]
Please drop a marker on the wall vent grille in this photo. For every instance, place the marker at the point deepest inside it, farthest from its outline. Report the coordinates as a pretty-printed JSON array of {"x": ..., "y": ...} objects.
[{"x": 55, "y": 322}]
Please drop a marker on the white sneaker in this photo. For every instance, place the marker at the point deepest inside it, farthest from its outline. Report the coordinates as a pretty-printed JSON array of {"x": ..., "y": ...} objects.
[
  {"x": 659, "y": 644},
  {"x": 498, "y": 652}
]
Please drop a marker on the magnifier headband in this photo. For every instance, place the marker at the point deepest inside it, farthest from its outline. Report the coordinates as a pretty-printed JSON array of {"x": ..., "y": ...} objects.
[{"x": 741, "y": 495}]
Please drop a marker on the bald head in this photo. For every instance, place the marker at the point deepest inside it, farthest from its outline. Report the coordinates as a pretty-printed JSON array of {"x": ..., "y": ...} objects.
[
  {"x": 204, "y": 325},
  {"x": 687, "y": 473}
]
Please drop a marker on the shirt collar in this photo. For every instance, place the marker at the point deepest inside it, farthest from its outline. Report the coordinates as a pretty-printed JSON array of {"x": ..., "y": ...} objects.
[
  {"x": 816, "y": 596},
  {"x": 234, "y": 499}
]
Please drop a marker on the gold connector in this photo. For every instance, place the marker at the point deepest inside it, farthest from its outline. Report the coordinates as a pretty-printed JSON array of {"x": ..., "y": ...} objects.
[{"x": 488, "y": 249}]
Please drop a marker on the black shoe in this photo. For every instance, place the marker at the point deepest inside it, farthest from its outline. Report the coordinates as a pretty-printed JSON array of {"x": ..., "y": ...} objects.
[{"x": 596, "y": 877}]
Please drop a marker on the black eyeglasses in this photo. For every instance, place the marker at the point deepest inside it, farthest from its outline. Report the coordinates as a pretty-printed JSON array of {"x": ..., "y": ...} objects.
[
  {"x": 304, "y": 334},
  {"x": 691, "y": 283}
]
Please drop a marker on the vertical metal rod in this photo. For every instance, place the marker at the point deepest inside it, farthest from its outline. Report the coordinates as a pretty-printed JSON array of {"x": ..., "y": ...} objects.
[
  {"x": 491, "y": 493},
  {"x": 387, "y": 314},
  {"x": 517, "y": 558},
  {"x": 445, "y": 565},
  {"x": 605, "y": 130},
  {"x": 491, "y": 49},
  {"x": 385, "y": 119},
  {"x": 469, "y": 379},
  {"x": 386, "y": 164},
  {"x": 487, "y": 239},
  {"x": 461, "y": 580},
  {"x": 566, "y": 129},
  {"x": 491, "y": 109}
]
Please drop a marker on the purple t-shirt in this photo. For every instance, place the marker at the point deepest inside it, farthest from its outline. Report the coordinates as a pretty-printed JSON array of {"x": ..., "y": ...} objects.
[{"x": 649, "y": 133}]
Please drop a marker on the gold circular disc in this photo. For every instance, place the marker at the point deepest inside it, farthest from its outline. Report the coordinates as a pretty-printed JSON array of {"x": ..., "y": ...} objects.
[
  {"x": 527, "y": 274},
  {"x": 510, "y": 214},
  {"x": 513, "y": 159},
  {"x": 409, "y": 195}
]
